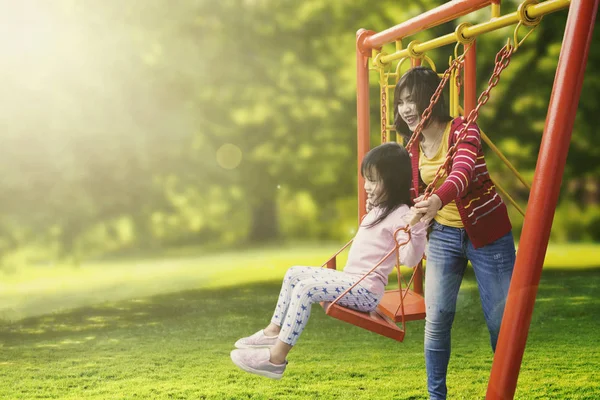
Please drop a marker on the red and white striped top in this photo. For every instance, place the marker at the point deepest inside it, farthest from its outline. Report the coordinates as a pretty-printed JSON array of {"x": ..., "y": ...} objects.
[{"x": 481, "y": 209}]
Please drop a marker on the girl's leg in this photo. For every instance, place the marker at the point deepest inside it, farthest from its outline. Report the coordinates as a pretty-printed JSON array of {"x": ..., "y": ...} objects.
[
  {"x": 493, "y": 265},
  {"x": 446, "y": 263},
  {"x": 323, "y": 285},
  {"x": 290, "y": 280}
]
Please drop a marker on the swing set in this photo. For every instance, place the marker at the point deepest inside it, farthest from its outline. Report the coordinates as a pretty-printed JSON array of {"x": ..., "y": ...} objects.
[{"x": 407, "y": 303}]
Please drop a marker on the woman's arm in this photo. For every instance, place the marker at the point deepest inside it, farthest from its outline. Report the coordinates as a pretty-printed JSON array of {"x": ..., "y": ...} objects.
[
  {"x": 459, "y": 177},
  {"x": 463, "y": 165}
]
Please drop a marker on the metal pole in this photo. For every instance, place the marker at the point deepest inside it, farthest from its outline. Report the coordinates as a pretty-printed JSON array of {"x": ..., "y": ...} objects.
[
  {"x": 543, "y": 199},
  {"x": 444, "y": 13},
  {"x": 362, "y": 113},
  {"x": 418, "y": 274},
  {"x": 470, "y": 80}
]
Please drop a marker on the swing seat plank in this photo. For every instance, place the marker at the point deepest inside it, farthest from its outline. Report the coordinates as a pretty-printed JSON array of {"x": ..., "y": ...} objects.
[
  {"x": 373, "y": 321},
  {"x": 414, "y": 305}
]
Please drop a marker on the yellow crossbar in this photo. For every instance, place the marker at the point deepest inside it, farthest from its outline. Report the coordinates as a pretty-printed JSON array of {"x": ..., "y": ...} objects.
[{"x": 470, "y": 32}]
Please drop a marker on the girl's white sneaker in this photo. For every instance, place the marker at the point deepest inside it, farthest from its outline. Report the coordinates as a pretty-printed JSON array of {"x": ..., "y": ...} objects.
[
  {"x": 256, "y": 361},
  {"x": 256, "y": 341}
]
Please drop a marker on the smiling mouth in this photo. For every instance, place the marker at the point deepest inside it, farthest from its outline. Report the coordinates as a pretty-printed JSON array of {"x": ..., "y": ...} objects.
[{"x": 410, "y": 120}]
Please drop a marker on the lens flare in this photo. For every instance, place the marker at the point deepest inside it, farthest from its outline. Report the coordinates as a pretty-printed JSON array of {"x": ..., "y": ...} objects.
[{"x": 229, "y": 156}]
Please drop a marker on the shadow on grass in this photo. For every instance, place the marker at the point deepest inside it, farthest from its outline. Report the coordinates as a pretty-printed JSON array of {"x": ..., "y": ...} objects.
[
  {"x": 564, "y": 296},
  {"x": 204, "y": 307}
]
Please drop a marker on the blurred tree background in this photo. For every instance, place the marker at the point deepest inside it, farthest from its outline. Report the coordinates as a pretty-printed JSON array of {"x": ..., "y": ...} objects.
[{"x": 145, "y": 125}]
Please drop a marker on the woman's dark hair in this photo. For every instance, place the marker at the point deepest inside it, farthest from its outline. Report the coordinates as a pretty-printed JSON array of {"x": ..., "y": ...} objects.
[
  {"x": 421, "y": 83},
  {"x": 391, "y": 162}
]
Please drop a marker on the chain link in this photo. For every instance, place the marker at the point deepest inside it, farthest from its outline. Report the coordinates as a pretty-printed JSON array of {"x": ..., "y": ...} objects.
[{"x": 434, "y": 99}]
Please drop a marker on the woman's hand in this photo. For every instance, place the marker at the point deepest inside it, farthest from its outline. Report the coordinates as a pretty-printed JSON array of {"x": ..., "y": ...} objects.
[
  {"x": 428, "y": 208},
  {"x": 414, "y": 217}
]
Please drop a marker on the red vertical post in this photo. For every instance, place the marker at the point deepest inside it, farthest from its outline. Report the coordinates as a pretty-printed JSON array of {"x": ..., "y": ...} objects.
[
  {"x": 470, "y": 79},
  {"x": 543, "y": 199},
  {"x": 418, "y": 274},
  {"x": 362, "y": 112}
]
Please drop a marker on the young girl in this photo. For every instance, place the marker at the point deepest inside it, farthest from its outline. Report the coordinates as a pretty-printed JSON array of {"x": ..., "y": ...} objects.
[
  {"x": 470, "y": 221},
  {"x": 387, "y": 173}
]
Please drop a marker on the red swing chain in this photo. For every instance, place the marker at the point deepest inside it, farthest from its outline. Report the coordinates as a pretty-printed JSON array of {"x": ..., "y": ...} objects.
[
  {"x": 457, "y": 64},
  {"x": 501, "y": 62}
]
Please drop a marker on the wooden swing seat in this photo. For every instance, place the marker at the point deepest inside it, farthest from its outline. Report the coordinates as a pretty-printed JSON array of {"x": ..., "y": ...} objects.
[
  {"x": 383, "y": 320},
  {"x": 374, "y": 321},
  {"x": 414, "y": 305},
  {"x": 391, "y": 309}
]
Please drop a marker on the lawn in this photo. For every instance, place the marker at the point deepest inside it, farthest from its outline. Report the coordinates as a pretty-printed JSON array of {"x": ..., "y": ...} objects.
[{"x": 163, "y": 329}]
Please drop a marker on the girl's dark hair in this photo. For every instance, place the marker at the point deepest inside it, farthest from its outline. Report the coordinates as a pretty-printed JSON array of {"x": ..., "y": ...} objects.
[
  {"x": 421, "y": 83},
  {"x": 392, "y": 165}
]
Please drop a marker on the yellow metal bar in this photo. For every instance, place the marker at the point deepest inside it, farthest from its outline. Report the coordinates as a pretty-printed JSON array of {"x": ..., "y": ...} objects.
[
  {"x": 533, "y": 10},
  {"x": 398, "y": 45},
  {"x": 509, "y": 198},
  {"x": 452, "y": 94},
  {"x": 435, "y": 43},
  {"x": 495, "y": 10},
  {"x": 497, "y": 151},
  {"x": 389, "y": 115},
  {"x": 491, "y": 25},
  {"x": 546, "y": 7}
]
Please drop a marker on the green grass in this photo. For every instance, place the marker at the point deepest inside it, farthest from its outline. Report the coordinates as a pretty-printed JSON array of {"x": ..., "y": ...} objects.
[{"x": 176, "y": 345}]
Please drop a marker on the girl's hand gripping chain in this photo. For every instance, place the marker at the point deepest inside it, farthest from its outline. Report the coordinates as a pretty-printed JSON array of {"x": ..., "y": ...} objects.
[{"x": 425, "y": 210}]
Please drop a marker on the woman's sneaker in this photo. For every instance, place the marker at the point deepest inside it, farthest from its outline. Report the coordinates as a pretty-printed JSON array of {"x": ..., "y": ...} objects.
[
  {"x": 256, "y": 341},
  {"x": 256, "y": 361}
]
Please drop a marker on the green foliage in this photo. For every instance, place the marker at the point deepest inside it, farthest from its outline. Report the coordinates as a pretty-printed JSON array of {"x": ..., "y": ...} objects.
[
  {"x": 573, "y": 222},
  {"x": 159, "y": 124}
]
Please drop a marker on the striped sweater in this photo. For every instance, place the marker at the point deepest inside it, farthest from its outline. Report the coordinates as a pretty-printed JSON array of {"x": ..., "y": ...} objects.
[{"x": 482, "y": 211}]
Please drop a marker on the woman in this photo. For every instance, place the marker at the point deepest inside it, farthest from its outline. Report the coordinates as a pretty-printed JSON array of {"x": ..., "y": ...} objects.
[{"x": 469, "y": 221}]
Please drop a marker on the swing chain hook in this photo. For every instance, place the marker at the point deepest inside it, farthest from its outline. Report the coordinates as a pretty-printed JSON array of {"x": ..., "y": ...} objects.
[
  {"x": 516, "y": 40},
  {"x": 526, "y": 20}
]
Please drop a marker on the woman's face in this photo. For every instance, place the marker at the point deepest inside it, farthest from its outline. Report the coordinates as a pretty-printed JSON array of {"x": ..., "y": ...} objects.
[
  {"x": 374, "y": 187},
  {"x": 407, "y": 109}
]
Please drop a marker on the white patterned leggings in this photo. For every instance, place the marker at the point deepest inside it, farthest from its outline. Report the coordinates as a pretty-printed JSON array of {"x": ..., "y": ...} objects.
[{"x": 303, "y": 286}]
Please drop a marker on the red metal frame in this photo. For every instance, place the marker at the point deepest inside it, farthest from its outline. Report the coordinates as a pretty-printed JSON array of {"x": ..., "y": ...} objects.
[
  {"x": 436, "y": 16},
  {"x": 362, "y": 114},
  {"x": 366, "y": 41},
  {"x": 543, "y": 199},
  {"x": 470, "y": 79},
  {"x": 548, "y": 174}
]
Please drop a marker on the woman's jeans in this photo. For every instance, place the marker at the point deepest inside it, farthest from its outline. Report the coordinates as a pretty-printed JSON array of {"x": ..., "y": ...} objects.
[{"x": 449, "y": 251}]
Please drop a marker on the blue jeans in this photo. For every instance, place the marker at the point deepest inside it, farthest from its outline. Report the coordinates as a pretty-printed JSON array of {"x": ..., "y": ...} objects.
[{"x": 449, "y": 251}]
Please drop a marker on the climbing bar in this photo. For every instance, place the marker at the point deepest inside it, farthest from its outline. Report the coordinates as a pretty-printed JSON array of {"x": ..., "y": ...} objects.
[{"x": 528, "y": 13}]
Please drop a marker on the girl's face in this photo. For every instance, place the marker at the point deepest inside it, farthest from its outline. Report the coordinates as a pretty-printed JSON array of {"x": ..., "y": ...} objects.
[
  {"x": 407, "y": 109},
  {"x": 374, "y": 187}
]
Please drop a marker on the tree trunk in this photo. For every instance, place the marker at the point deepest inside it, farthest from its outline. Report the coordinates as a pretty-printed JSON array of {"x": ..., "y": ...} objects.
[{"x": 265, "y": 221}]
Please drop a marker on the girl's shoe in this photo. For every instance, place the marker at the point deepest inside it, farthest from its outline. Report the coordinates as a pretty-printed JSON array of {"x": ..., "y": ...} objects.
[
  {"x": 256, "y": 361},
  {"x": 256, "y": 341}
]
